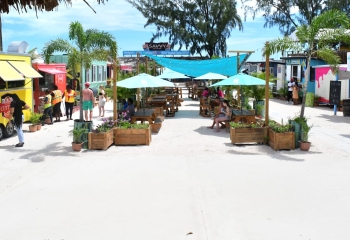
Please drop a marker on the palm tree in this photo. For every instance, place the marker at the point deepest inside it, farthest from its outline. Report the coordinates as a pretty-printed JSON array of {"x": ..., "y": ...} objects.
[
  {"x": 87, "y": 46},
  {"x": 319, "y": 37}
]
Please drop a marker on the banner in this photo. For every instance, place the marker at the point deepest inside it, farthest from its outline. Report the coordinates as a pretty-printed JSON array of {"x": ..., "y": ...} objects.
[{"x": 156, "y": 46}]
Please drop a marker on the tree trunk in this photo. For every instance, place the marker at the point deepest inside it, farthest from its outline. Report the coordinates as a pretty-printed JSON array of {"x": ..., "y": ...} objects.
[{"x": 307, "y": 76}]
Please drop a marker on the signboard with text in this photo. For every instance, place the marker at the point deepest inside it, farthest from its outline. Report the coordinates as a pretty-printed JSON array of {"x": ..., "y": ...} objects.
[
  {"x": 334, "y": 92},
  {"x": 174, "y": 53},
  {"x": 156, "y": 46}
]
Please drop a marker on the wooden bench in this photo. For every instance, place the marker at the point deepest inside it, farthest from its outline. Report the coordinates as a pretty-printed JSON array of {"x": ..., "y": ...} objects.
[{"x": 204, "y": 108}]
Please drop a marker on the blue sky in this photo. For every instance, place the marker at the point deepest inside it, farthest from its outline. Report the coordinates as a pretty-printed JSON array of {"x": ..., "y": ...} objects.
[{"x": 121, "y": 20}]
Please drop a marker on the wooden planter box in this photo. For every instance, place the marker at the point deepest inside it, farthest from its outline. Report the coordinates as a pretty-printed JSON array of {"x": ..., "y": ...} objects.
[
  {"x": 156, "y": 127},
  {"x": 132, "y": 136},
  {"x": 278, "y": 141},
  {"x": 248, "y": 135},
  {"x": 100, "y": 141}
]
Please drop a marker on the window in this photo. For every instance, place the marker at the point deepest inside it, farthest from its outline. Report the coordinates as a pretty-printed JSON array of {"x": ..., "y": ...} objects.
[
  {"x": 15, "y": 84},
  {"x": 87, "y": 75},
  {"x": 99, "y": 73},
  {"x": 312, "y": 74},
  {"x": 104, "y": 73},
  {"x": 93, "y": 73}
]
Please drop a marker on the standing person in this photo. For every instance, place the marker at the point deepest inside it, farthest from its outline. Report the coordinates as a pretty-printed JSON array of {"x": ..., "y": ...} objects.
[
  {"x": 88, "y": 101},
  {"x": 56, "y": 103},
  {"x": 101, "y": 101},
  {"x": 295, "y": 94},
  {"x": 290, "y": 90},
  {"x": 225, "y": 114},
  {"x": 219, "y": 93},
  {"x": 69, "y": 99},
  {"x": 47, "y": 108},
  {"x": 16, "y": 107}
]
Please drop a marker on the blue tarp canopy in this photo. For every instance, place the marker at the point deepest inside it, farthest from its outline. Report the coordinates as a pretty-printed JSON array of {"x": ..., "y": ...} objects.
[{"x": 196, "y": 68}]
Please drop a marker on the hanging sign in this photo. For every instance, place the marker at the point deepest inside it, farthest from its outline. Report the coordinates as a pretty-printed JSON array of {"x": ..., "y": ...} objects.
[{"x": 156, "y": 46}]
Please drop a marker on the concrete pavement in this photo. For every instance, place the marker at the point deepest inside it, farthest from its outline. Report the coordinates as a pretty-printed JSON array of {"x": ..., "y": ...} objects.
[{"x": 190, "y": 179}]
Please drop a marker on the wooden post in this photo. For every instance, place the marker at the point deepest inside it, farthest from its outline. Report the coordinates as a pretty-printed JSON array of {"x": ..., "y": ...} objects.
[
  {"x": 115, "y": 73},
  {"x": 138, "y": 90},
  {"x": 267, "y": 87},
  {"x": 238, "y": 87}
]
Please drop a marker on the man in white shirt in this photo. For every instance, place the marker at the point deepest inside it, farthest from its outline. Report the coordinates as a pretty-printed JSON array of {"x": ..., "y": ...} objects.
[{"x": 290, "y": 90}]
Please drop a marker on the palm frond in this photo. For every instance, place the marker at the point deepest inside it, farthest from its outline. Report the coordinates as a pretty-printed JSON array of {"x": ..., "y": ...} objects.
[
  {"x": 101, "y": 39},
  {"x": 279, "y": 45},
  {"x": 330, "y": 56},
  {"x": 58, "y": 45},
  {"x": 77, "y": 34}
]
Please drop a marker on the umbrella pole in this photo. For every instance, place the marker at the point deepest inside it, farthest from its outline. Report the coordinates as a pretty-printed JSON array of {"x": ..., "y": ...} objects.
[{"x": 241, "y": 104}]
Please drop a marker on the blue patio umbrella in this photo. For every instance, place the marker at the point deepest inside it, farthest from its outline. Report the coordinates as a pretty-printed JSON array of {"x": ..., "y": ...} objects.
[
  {"x": 144, "y": 80},
  {"x": 170, "y": 74},
  {"x": 241, "y": 79},
  {"x": 211, "y": 75}
]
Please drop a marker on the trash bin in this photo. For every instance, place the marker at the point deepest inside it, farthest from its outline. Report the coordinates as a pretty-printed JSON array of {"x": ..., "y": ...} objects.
[
  {"x": 84, "y": 137},
  {"x": 346, "y": 107}
]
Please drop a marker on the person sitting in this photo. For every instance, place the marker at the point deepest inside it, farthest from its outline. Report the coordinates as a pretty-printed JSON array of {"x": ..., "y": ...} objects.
[
  {"x": 217, "y": 102},
  {"x": 130, "y": 110},
  {"x": 224, "y": 115},
  {"x": 205, "y": 93},
  {"x": 219, "y": 92},
  {"x": 125, "y": 104}
]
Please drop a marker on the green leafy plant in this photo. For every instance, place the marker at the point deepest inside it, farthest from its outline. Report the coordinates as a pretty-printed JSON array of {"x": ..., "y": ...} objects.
[
  {"x": 77, "y": 133},
  {"x": 35, "y": 118},
  {"x": 305, "y": 131},
  {"x": 258, "y": 109},
  {"x": 106, "y": 125},
  {"x": 245, "y": 125},
  {"x": 280, "y": 128}
]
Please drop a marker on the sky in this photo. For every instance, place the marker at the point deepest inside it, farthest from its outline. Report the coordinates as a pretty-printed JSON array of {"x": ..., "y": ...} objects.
[{"x": 123, "y": 21}]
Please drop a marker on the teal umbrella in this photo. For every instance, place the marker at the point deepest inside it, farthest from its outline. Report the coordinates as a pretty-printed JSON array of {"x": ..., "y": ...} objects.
[
  {"x": 211, "y": 75},
  {"x": 170, "y": 74},
  {"x": 241, "y": 79},
  {"x": 144, "y": 80}
]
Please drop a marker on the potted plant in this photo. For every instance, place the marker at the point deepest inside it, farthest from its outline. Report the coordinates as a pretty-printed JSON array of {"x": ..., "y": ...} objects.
[
  {"x": 245, "y": 133},
  {"x": 35, "y": 120},
  {"x": 101, "y": 137},
  {"x": 77, "y": 135},
  {"x": 316, "y": 100},
  {"x": 281, "y": 136},
  {"x": 304, "y": 142}
]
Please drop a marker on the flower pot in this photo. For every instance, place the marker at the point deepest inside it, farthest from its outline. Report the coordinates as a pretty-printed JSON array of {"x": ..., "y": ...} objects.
[
  {"x": 47, "y": 121},
  {"x": 32, "y": 128},
  {"x": 100, "y": 141},
  {"x": 305, "y": 146},
  {"x": 77, "y": 146},
  {"x": 284, "y": 140},
  {"x": 132, "y": 136},
  {"x": 38, "y": 127}
]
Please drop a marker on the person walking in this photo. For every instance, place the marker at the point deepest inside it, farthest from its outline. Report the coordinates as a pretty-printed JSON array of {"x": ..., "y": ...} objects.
[
  {"x": 47, "y": 108},
  {"x": 69, "y": 99},
  {"x": 56, "y": 103},
  {"x": 88, "y": 101},
  {"x": 101, "y": 101},
  {"x": 16, "y": 111}
]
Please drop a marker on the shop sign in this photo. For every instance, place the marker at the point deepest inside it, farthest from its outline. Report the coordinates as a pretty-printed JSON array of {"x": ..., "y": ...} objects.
[
  {"x": 293, "y": 61},
  {"x": 5, "y": 107},
  {"x": 142, "y": 53},
  {"x": 156, "y": 46}
]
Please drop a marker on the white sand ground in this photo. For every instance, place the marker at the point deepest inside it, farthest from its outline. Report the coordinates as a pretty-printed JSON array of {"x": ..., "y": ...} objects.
[{"x": 190, "y": 179}]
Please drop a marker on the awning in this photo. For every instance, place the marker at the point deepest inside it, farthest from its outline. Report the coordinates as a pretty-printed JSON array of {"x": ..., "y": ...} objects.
[
  {"x": 51, "y": 70},
  {"x": 25, "y": 69},
  {"x": 8, "y": 73}
]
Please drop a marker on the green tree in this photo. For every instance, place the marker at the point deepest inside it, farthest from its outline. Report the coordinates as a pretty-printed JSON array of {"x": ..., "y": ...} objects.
[
  {"x": 197, "y": 25},
  {"x": 86, "y": 46},
  {"x": 318, "y": 37},
  {"x": 289, "y": 14}
]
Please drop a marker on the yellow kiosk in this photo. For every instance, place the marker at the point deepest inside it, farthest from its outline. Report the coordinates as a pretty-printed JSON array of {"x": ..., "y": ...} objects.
[{"x": 16, "y": 76}]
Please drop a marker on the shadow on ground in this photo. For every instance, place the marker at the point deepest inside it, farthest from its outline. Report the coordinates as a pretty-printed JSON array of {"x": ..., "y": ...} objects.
[{"x": 39, "y": 155}]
